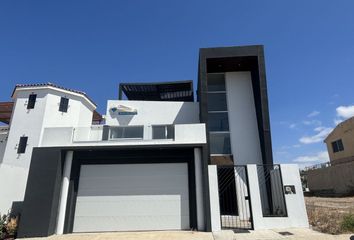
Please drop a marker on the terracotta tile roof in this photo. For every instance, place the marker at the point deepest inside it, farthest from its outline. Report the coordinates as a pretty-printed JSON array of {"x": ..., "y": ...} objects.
[{"x": 49, "y": 84}]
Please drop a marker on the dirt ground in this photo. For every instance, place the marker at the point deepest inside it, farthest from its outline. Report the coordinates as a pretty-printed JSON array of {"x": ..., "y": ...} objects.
[{"x": 326, "y": 214}]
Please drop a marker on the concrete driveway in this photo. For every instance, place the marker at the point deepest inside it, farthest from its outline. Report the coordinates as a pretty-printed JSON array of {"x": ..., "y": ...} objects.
[
  {"x": 158, "y": 235},
  {"x": 274, "y": 234}
]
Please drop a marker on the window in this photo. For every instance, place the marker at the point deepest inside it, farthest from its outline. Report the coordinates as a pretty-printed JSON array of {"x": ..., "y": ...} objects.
[
  {"x": 217, "y": 102},
  {"x": 337, "y": 146},
  {"x": 218, "y": 121},
  {"x": 64, "y": 103},
  {"x": 216, "y": 82},
  {"x": 220, "y": 143},
  {"x": 22, "y": 145},
  {"x": 163, "y": 132},
  {"x": 128, "y": 132},
  {"x": 31, "y": 101}
]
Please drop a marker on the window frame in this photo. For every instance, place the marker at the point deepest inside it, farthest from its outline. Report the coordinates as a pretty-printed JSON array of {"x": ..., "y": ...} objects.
[
  {"x": 166, "y": 127},
  {"x": 337, "y": 146},
  {"x": 22, "y": 145},
  {"x": 126, "y": 127},
  {"x": 64, "y": 106},
  {"x": 31, "y": 102}
]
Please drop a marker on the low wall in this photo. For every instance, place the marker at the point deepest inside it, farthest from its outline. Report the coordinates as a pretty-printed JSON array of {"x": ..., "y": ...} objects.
[
  {"x": 334, "y": 180},
  {"x": 295, "y": 203}
]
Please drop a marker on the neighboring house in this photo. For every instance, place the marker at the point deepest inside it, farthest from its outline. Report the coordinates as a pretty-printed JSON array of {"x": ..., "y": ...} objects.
[
  {"x": 337, "y": 176},
  {"x": 159, "y": 160},
  {"x": 340, "y": 142}
]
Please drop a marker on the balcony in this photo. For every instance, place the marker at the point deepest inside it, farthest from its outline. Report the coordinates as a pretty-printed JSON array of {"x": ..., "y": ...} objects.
[{"x": 124, "y": 135}]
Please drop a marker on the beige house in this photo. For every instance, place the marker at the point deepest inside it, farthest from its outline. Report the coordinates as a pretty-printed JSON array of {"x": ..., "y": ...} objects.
[
  {"x": 338, "y": 177},
  {"x": 340, "y": 142}
]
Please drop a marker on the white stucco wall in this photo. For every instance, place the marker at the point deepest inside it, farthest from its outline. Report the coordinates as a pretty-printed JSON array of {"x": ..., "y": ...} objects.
[
  {"x": 31, "y": 122},
  {"x": 295, "y": 203},
  {"x": 153, "y": 112},
  {"x": 79, "y": 112},
  {"x": 243, "y": 125},
  {"x": 214, "y": 198}
]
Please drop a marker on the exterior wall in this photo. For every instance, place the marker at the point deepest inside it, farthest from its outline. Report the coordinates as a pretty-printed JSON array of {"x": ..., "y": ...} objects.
[
  {"x": 344, "y": 131},
  {"x": 297, "y": 216},
  {"x": 79, "y": 113},
  {"x": 31, "y": 122},
  {"x": 4, "y": 131},
  {"x": 56, "y": 137},
  {"x": 214, "y": 199},
  {"x": 243, "y": 124},
  {"x": 295, "y": 203},
  {"x": 47, "y": 163},
  {"x": 153, "y": 112},
  {"x": 199, "y": 188},
  {"x": 337, "y": 179}
]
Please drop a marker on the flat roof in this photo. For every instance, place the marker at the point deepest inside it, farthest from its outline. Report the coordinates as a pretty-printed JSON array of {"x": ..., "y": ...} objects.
[{"x": 158, "y": 91}]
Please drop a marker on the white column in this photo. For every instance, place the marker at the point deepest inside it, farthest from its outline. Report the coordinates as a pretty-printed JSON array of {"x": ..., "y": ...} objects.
[
  {"x": 199, "y": 188},
  {"x": 214, "y": 199},
  {"x": 64, "y": 192}
]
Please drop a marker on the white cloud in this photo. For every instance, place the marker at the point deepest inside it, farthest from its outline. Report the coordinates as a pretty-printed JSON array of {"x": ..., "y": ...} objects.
[
  {"x": 316, "y": 158},
  {"x": 293, "y": 125},
  {"x": 313, "y": 114},
  {"x": 337, "y": 121},
  {"x": 345, "y": 111},
  {"x": 312, "y": 122},
  {"x": 322, "y": 132}
]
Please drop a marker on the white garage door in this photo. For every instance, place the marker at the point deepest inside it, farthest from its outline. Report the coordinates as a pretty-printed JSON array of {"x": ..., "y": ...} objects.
[{"x": 128, "y": 197}]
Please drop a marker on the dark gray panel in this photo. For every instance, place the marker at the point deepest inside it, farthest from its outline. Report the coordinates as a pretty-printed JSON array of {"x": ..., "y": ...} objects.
[{"x": 39, "y": 214}]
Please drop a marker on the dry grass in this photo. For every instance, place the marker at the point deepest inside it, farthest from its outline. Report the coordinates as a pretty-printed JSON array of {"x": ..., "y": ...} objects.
[{"x": 326, "y": 214}]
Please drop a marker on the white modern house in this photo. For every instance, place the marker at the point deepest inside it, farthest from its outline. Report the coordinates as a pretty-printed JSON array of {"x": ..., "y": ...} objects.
[{"x": 158, "y": 160}]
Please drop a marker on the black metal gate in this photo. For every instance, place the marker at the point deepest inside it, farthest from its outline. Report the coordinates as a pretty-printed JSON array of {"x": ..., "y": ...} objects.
[{"x": 235, "y": 202}]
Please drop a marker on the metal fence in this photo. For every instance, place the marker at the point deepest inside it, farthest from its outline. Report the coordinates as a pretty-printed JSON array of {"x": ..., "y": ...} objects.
[
  {"x": 235, "y": 203},
  {"x": 271, "y": 191}
]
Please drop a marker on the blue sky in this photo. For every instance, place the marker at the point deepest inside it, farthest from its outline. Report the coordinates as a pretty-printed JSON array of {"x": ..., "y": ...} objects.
[{"x": 94, "y": 45}]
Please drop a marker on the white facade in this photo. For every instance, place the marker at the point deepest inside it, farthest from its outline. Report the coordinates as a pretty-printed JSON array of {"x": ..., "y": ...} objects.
[
  {"x": 244, "y": 135},
  {"x": 141, "y": 196},
  {"x": 297, "y": 215},
  {"x": 31, "y": 123}
]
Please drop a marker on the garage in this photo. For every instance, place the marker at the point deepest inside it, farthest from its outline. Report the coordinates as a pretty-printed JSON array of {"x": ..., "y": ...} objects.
[{"x": 131, "y": 197}]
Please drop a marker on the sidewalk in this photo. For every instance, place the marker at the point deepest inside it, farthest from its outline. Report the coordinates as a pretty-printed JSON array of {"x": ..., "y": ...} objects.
[{"x": 274, "y": 234}]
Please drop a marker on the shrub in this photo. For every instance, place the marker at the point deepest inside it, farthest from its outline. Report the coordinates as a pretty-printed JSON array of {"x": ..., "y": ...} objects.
[
  {"x": 8, "y": 226},
  {"x": 348, "y": 222}
]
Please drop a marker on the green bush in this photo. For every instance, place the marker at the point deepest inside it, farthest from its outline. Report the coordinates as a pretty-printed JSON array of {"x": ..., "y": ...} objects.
[{"x": 348, "y": 222}]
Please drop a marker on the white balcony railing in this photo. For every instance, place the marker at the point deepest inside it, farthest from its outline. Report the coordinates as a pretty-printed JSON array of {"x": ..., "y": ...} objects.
[{"x": 182, "y": 133}]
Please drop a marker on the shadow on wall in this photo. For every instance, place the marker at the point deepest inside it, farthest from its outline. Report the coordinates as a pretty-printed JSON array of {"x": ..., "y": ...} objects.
[{"x": 188, "y": 113}]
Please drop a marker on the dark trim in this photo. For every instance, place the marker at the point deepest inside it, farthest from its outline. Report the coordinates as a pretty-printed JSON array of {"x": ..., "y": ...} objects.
[
  {"x": 250, "y": 58},
  {"x": 105, "y": 132},
  {"x": 41, "y": 201},
  {"x": 249, "y": 199},
  {"x": 184, "y": 155},
  {"x": 224, "y": 59}
]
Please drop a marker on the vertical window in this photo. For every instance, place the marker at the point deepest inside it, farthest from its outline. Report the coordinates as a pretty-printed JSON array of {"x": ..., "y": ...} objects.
[
  {"x": 22, "y": 145},
  {"x": 218, "y": 122},
  {"x": 64, "y": 103},
  {"x": 31, "y": 101},
  {"x": 337, "y": 146}
]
